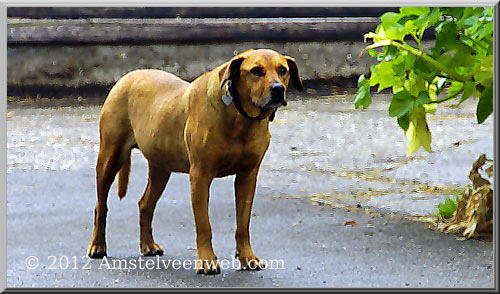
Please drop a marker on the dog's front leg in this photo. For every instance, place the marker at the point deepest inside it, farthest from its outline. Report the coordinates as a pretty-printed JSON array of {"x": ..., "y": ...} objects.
[
  {"x": 244, "y": 185},
  {"x": 200, "y": 185}
]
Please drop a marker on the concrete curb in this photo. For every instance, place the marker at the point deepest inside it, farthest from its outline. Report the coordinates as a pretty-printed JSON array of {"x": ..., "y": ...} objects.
[{"x": 161, "y": 31}]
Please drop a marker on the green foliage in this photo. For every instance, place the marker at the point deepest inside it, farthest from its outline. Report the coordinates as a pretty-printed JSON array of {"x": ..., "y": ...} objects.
[
  {"x": 363, "y": 96},
  {"x": 460, "y": 64},
  {"x": 447, "y": 209}
]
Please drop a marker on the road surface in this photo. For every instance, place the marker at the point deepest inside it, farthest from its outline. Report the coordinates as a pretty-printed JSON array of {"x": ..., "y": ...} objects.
[{"x": 328, "y": 166}]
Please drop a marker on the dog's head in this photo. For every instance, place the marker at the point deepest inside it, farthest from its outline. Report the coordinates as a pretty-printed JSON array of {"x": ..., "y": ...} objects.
[{"x": 262, "y": 77}]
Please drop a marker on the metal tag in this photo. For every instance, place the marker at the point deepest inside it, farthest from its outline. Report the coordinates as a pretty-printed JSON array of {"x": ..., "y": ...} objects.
[{"x": 227, "y": 99}]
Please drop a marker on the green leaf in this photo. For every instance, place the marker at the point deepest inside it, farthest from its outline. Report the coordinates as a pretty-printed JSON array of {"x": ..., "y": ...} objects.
[
  {"x": 399, "y": 65},
  {"x": 469, "y": 88},
  {"x": 390, "y": 53},
  {"x": 385, "y": 75},
  {"x": 485, "y": 105},
  {"x": 409, "y": 60},
  {"x": 423, "y": 98},
  {"x": 487, "y": 64},
  {"x": 401, "y": 104},
  {"x": 485, "y": 32},
  {"x": 434, "y": 16},
  {"x": 359, "y": 99},
  {"x": 448, "y": 207},
  {"x": 389, "y": 18},
  {"x": 418, "y": 132},
  {"x": 374, "y": 75},
  {"x": 432, "y": 95},
  {"x": 410, "y": 27},
  {"x": 455, "y": 88},
  {"x": 392, "y": 29},
  {"x": 479, "y": 90},
  {"x": 399, "y": 84},
  {"x": 395, "y": 32},
  {"x": 415, "y": 84},
  {"x": 463, "y": 56},
  {"x": 455, "y": 12},
  {"x": 445, "y": 59},
  {"x": 414, "y": 10},
  {"x": 373, "y": 53},
  {"x": 404, "y": 121},
  {"x": 423, "y": 69},
  {"x": 428, "y": 19},
  {"x": 399, "y": 69},
  {"x": 406, "y": 18},
  {"x": 446, "y": 34},
  {"x": 363, "y": 97},
  {"x": 362, "y": 81},
  {"x": 422, "y": 21},
  {"x": 483, "y": 76},
  {"x": 471, "y": 21}
]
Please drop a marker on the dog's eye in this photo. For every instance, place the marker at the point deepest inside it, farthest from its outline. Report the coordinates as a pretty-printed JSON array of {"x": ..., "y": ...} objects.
[
  {"x": 282, "y": 71},
  {"x": 258, "y": 71}
]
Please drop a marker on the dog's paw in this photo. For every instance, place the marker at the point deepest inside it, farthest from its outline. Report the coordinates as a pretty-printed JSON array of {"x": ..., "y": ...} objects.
[
  {"x": 252, "y": 263},
  {"x": 208, "y": 267},
  {"x": 96, "y": 251},
  {"x": 152, "y": 249}
]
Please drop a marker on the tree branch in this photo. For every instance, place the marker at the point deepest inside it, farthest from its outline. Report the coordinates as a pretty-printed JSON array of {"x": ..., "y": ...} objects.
[
  {"x": 451, "y": 75},
  {"x": 449, "y": 97}
]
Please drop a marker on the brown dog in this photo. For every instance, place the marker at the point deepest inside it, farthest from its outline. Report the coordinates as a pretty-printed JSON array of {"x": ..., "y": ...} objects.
[{"x": 216, "y": 126}]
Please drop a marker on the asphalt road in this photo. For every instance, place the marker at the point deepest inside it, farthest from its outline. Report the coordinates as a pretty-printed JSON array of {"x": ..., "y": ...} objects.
[{"x": 321, "y": 152}]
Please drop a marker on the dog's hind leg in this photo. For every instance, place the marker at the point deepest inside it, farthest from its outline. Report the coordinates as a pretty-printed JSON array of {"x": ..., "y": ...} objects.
[
  {"x": 116, "y": 142},
  {"x": 108, "y": 164},
  {"x": 157, "y": 180}
]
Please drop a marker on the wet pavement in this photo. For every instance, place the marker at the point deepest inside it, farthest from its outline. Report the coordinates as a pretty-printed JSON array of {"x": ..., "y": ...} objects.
[{"x": 327, "y": 164}]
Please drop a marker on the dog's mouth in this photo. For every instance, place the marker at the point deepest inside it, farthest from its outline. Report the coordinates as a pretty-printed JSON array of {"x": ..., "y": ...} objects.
[{"x": 273, "y": 102}]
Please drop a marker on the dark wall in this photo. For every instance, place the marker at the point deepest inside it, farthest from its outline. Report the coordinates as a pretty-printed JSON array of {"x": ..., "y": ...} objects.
[{"x": 194, "y": 12}]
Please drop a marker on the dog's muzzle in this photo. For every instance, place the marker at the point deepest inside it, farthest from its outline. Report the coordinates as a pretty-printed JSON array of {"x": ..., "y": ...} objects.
[{"x": 277, "y": 96}]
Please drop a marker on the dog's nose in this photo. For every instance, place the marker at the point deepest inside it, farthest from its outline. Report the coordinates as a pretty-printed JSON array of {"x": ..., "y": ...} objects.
[
  {"x": 278, "y": 93},
  {"x": 277, "y": 89}
]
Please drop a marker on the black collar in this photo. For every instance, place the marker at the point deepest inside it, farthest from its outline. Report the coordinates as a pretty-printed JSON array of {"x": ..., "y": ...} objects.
[{"x": 237, "y": 104}]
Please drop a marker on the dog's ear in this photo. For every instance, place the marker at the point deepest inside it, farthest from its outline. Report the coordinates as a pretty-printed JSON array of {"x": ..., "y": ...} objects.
[
  {"x": 294, "y": 73},
  {"x": 230, "y": 70}
]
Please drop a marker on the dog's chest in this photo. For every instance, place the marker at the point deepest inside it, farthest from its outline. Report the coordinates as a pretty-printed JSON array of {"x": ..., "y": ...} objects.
[{"x": 239, "y": 157}]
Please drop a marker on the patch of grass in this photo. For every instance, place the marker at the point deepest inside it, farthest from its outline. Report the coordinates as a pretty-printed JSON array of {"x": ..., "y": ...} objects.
[{"x": 447, "y": 209}]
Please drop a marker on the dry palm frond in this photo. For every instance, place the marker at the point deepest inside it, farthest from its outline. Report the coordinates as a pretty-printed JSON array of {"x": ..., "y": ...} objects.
[{"x": 475, "y": 206}]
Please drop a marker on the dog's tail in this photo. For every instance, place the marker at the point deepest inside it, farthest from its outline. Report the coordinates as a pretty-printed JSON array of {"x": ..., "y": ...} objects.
[{"x": 123, "y": 178}]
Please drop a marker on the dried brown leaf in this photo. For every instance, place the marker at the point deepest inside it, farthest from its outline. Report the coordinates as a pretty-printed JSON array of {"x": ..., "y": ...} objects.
[
  {"x": 478, "y": 163},
  {"x": 470, "y": 216},
  {"x": 350, "y": 223},
  {"x": 478, "y": 181},
  {"x": 489, "y": 171}
]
